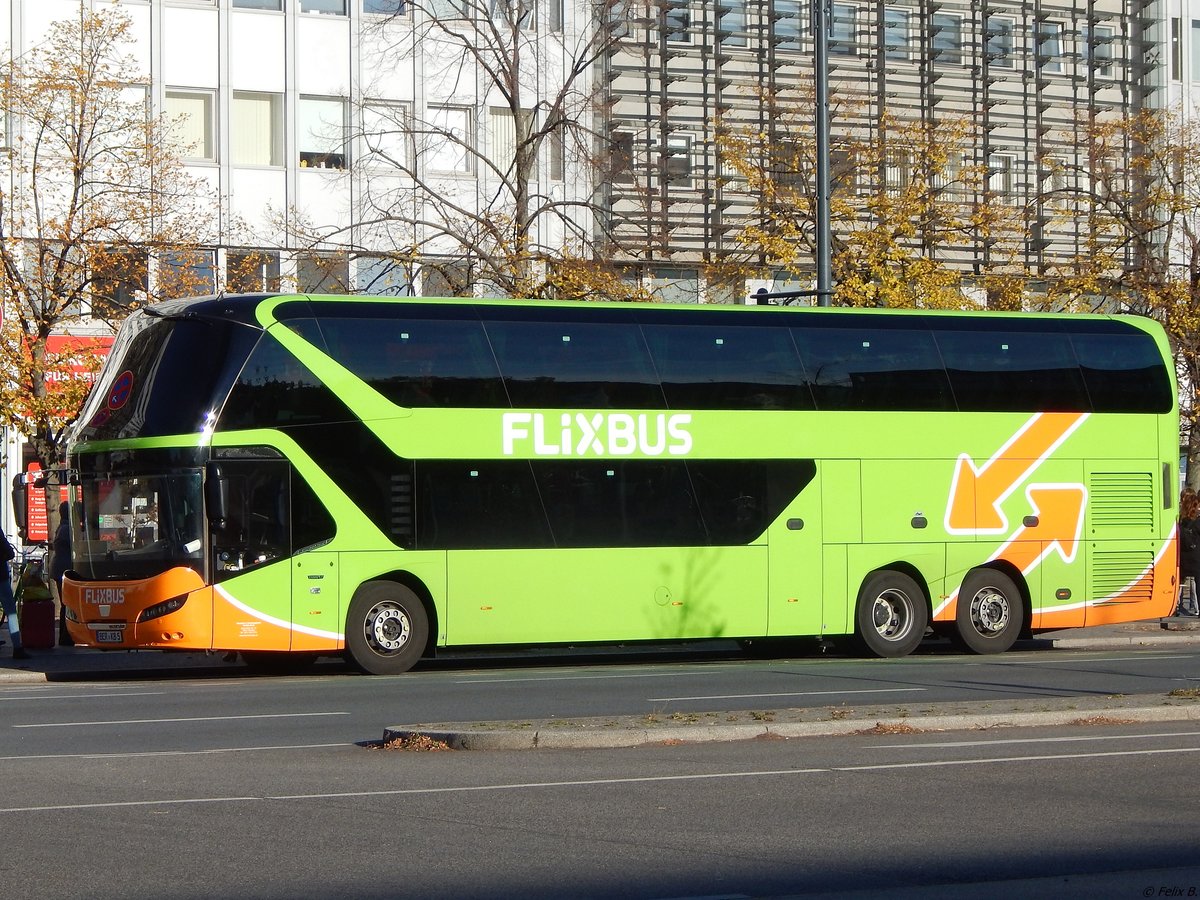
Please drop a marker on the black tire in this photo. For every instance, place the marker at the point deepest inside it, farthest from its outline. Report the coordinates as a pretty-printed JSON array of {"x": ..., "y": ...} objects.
[
  {"x": 386, "y": 628},
  {"x": 277, "y": 662},
  {"x": 990, "y": 613},
  {"x": 891, "y": 615}
]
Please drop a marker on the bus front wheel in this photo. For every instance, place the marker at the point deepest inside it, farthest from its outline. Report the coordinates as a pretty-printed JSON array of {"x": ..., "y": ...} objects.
[
  {"x": 891, "y": 615},
  {"x": 990, "y": 613},
  {"x": 386, "y": 628}
]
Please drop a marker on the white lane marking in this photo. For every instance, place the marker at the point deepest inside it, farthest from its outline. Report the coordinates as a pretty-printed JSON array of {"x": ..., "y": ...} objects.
[
  {"x": 586, "y": 677},
  {"x": 603, "y": 782},
  {"x": 1147, "y": 656},
  {"x": 83, "y": 696},
  {"x": 788, "y": 694},
  {"x": 144, "y": 753},
  {"x": 189, "y": 719},
  {"x": 1041, "y": 740}
]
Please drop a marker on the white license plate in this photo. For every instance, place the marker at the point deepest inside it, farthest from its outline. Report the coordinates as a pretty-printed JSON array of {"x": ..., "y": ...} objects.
[{"x": 109, "y": 637}]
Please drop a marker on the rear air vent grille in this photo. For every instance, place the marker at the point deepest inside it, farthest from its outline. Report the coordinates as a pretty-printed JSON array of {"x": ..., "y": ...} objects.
[{"x": 1121, "y": 500}]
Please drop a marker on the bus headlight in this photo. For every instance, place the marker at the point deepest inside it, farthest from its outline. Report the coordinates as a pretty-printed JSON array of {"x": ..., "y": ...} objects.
[
  {"x": 161, "y": 609},
  {"x": 69, "y": 613}
]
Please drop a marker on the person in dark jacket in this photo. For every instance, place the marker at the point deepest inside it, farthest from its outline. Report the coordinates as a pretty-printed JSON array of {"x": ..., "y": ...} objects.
[
  {"x": 1189, "y": 549},
  {"x": 7, "y": 601},
  {"x": 60, "y": 561}
]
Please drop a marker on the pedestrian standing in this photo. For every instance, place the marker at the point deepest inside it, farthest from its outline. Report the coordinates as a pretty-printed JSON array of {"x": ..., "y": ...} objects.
[
  {"x": 1189, "y": 550},
  {"x": 60, "y": 561},
  {"x": 6, "y": 597}
]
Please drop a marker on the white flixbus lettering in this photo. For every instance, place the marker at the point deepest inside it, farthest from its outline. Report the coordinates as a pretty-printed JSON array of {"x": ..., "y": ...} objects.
[{"x": 597, "y": 434}]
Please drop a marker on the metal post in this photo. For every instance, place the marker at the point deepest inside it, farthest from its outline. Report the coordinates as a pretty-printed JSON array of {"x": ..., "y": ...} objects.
[{"x": 821, "y": 21}]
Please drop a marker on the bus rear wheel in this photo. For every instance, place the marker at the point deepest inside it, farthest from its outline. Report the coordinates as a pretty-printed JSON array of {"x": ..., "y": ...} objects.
[
  {"x": 891, "y": 615},
  {"x": 386, "y": 628},
  {"x": 990, "y": 613}
]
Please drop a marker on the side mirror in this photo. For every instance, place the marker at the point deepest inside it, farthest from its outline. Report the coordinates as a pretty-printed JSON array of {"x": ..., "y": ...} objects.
[{"x": 216, "y": 495}]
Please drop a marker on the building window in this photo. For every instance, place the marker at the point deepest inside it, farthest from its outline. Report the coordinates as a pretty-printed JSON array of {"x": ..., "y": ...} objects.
[
  {"x": 506, "y": 134},
  {"x": 1050, "y": 46},
  {"x": 897, "y": 33},
  {"x": 276, "y": 5},
  {"x": 191, "y": 113},
  {"x": 387, "y": 133},
  {"x": 895, "y": 171},
  {"x": 252, "y": 271},
  {"x": 120, "y": 279},
  {"x": 385, "y": 7},
  {"x": 445, "y": 278},
  {"x": 522, "y": 13},
  {"x": 556, "y": 140},
  {"x": 947, "y": 39},
  {"x": 677, "y": 21},
  {"x": 677, "y": 161},
  {"x": 843, "y": 30},
  {"x": 446, "y": 10},
  {"x": 321, "y": 132},
  {"x": 256, "y": 129},
  {"x": 186, "y": 273},
  {"x": 383, "y": 276},
  {"x": 322, "y": 273},
  {"x": 843, "y": 170},
  {"x": 1195, "y": 44},
  {"x": 1000, "y": 30},
  {"x": 788, "y": 23},
  {"x": 621, "y": 157},
  {"x": 1099, "y": 40},
  {"x": 946, "y": 176},
  {"x": 327, "y": 7},
  {"x": 1176, "y": 48},
  {"x": 451, "y": 140},
  {"x": 1000, "y": 177},
  {"x": 554, "y": 15},
  {"x": 731, "y": 22}
]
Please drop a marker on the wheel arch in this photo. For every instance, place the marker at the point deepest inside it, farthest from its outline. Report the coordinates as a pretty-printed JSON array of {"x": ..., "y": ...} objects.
[
  {"x": 1004, "y": 567},
  {"x": 418, "y": 587},
  {"x": 911, "y": 571}
]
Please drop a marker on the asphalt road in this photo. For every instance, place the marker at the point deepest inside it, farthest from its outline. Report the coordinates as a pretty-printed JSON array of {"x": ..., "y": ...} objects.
[
  {"x": 1079, "y": 811},
  {"x": 331, "y": 705}
]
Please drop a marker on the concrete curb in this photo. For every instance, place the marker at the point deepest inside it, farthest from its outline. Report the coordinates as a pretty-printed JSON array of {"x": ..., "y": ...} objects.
[{"x": 626, "y": 732}]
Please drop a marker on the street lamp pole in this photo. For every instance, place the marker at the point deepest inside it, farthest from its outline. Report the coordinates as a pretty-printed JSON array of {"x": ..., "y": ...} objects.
[{"x": 821, "y": 10}]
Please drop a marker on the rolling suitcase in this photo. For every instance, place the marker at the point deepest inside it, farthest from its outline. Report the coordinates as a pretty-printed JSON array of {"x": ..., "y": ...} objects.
[{"x": 36, "y": 617}]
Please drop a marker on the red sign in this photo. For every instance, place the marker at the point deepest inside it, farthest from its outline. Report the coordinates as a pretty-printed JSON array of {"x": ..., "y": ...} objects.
[
  {"x": 38, "y": 529},
  {"x": 84, "y": 363}
]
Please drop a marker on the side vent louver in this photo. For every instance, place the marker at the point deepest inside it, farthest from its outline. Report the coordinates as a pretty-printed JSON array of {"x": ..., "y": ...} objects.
[
  {"x": 1118, "y": 570},
  {"x": 1121, "y": 499}
]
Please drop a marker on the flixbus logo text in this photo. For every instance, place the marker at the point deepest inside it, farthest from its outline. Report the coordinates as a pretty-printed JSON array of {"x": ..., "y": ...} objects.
[{"x": 597, "y": 434}]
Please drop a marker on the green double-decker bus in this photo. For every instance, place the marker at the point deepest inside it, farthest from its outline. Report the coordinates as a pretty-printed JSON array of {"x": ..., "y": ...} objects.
[{"x": 382, "y": 477}]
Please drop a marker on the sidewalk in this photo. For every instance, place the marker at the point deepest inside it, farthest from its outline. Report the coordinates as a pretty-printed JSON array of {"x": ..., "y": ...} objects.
[{"x": 80, "y": 664}]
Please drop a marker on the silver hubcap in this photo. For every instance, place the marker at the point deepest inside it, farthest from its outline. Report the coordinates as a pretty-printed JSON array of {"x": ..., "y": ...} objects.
[
  {"x": 388, "y": 627},
  {"x": 892, "y": 615},
  {"x": 990, "y": 611}
]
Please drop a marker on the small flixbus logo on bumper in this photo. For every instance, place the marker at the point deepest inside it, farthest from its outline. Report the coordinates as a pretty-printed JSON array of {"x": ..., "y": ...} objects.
[{"x": 596, "y": 434}]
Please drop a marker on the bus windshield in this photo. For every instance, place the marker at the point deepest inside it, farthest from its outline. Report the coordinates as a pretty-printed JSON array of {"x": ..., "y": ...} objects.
[{"x": 137, "y": 527}]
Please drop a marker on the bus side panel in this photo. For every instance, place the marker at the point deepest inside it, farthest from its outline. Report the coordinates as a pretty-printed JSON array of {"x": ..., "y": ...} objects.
[
  {"x": 796, "y": 597},
  {"x": 252, "y": 611},
  {"x": 640, "y": 593}
]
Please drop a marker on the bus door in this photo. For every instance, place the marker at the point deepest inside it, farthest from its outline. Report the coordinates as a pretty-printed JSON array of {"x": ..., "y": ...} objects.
[{"x": 279, "y": 596}]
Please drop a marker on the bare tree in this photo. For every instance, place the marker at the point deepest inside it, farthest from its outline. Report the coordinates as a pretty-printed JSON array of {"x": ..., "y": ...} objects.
[
  {"x": 90, "y": 188},
  {"x": 487, "y": 182}
]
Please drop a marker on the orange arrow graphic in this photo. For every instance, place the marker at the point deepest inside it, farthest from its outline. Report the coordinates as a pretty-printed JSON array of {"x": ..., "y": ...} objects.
[
  {"x": 1058, "y": 509},
  {"x": 977, "y": 492},
  {"x": 1058, "y": 512}
]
